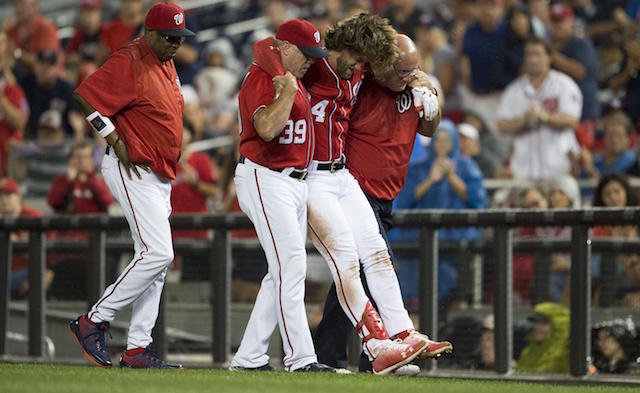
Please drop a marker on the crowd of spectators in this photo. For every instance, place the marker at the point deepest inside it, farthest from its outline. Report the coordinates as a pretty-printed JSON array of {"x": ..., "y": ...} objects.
[{"x": 541, "y": 91}]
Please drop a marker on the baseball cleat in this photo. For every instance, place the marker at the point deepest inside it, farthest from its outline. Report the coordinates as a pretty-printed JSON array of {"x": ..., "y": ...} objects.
[
  {"x": 266, "y": 367},
  {"x": 393, "y": 354},
  {"x": 91, "y": 337},
  {"x": 435, "y": 350},
  {"x": 145, "y": 359},
  {"x": 316, "y": 367},
  {"x": 408, "y": 370}
]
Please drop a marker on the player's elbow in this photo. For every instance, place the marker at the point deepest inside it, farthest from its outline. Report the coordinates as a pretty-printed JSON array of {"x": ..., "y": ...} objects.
[{"x": 266, "y": 135}]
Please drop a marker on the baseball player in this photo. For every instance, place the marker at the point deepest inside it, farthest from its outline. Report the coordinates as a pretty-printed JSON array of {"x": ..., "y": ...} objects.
[
  {"x": 382, "y": 129},
  {"x": 341, "y": 222},
  {"x": 540, "y": 110},
  {"x": 134, "y": 102},
  {"x": 276, "y": 147}
]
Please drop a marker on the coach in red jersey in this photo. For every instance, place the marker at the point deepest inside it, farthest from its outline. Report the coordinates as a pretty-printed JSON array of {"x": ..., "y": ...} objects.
[
  {"x": 384, "y": 124},
  {"x": 382, "y": 128},
  {"x": 276, "y": 146},
  {"x": 134, "y": 102}
]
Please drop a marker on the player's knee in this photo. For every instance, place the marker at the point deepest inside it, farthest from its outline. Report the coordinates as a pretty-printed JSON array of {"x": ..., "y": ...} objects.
[
  {"x": 379, "y": 261},
  {"x": 162, "y": 254}
]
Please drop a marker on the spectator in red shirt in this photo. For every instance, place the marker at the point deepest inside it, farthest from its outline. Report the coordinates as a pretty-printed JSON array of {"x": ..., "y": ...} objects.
[
  {"x": 82, "y": 49},
  {"x": 11, "y": 206},
  {"x": 196, "y": 181},
  {"x": 14, "y": 109},
  {"x": 125, "y": 28},
  {"x": 30, "y": 33},
  {"x": 80, "y": 190}
]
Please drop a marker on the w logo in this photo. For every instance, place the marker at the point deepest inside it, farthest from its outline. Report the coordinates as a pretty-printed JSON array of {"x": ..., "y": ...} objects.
[
  {"x": 178, "y": 18},
  {"x": 403, "y": 101}
]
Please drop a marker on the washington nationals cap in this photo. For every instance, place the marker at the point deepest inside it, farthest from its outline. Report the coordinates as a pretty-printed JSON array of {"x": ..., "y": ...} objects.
[
  {"x": 91, "y": 4},
  {"x": 167, "y": 19},
  {"x": 7, "y": 184},
  {"x": 302, "y": 34},
  {"x": 561, "y": 12}
]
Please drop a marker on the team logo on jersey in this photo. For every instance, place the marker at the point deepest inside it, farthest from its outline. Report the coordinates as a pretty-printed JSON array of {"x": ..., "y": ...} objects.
[
  {"x": 178, "y": 18},
  {"x": 403, "y": 101},
  {"x": 316, "y": 36}
]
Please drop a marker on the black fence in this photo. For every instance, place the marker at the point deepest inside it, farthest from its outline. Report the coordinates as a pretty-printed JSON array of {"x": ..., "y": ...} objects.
[{"x": 218, "y": 254}]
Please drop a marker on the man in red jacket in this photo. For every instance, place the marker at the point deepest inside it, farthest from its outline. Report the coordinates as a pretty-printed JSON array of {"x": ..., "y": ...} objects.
[
  {"x": 80, "y": 190},
  {"x": 134, "y": 102}
]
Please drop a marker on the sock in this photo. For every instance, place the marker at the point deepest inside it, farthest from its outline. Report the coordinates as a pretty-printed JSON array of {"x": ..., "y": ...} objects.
[
  {"x": 403, "y": 334},
  {"x": 135, "y": 351}
]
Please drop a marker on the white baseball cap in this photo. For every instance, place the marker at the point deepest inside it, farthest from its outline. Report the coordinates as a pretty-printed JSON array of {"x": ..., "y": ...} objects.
[{"x": 469, "y": 131}]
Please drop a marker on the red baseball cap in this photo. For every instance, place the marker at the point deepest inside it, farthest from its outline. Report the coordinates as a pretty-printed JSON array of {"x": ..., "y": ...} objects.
[
  {"x": 7, "y": 184},
  {"x": 94, "y": 4},
  {"x": 167, "y": 19},
  {"x": 302, "y": 34},
  {"x": 561, "y": 12}
]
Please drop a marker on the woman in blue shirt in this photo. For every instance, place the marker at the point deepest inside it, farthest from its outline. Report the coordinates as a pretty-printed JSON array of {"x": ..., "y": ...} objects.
[{"x": 442, "y": 180}]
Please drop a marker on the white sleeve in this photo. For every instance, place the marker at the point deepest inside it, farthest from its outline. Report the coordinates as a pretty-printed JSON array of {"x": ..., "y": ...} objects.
[
  {"x": 508, "y": 102},
  {"x": 570, "y": 99}
]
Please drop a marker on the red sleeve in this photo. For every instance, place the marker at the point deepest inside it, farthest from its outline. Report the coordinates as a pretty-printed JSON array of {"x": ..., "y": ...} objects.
[
  {"x": 100, "y": 191},
  {"x": 74, "y": 43},
  {"x": 59, "y": 193},
  {"x": 263, "y": 94},
  {"x": 206, "y": 171},
  {"x": 17, "y": 98},
  {"x": 112, "y": 87}
]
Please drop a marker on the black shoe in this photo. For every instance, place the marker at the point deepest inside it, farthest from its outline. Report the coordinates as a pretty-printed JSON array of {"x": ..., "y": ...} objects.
[
  {"x": 316, "y": 367},
  {"x": 91, "y": 337},
  {"x": 266, "y": 367}
]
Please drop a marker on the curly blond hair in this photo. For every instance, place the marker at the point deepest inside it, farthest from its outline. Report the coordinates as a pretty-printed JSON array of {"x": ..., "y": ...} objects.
[{"x": 367, "y": 35}]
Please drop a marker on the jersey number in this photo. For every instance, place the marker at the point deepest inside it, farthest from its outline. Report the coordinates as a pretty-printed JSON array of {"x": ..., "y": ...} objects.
[
  {"x": 294, "y": 133},
  {"x": 319, "y": 110}
]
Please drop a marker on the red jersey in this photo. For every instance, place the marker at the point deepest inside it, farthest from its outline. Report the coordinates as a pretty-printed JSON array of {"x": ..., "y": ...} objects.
[
  {"x": 332, "y": 99},
  {"x": 74, "y": 197},
  {"x": 186, "y": 198},
  {"x": 382, "y": 130},
  {"x": 293, "y": 147},
  {"x": 17, "y": 98},
  {"x": 142, "y": 97}
]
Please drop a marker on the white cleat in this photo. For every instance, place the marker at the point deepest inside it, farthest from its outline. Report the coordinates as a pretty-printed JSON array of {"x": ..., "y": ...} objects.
[{"x": 408, "y": 370}]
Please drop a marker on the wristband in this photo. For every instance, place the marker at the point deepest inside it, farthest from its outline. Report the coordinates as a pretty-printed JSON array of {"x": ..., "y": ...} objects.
[{"x": 101, "y": 124}]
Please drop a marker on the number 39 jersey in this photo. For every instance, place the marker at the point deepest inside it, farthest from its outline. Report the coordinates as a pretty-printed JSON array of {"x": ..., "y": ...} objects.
[
  {"x": 294, "y": 146},
  {"x": 332, "y": 99}
]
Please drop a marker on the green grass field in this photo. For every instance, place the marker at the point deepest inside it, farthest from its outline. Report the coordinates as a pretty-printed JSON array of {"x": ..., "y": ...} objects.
[{"x": 36, "y": 378}]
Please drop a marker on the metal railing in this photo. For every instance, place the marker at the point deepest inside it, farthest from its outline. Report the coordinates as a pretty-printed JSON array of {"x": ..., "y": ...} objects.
[{"x": 218, "y": 253}]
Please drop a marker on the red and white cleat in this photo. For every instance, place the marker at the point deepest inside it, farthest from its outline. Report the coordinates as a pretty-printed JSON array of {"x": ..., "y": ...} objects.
[{"x": 390, "y": 355}]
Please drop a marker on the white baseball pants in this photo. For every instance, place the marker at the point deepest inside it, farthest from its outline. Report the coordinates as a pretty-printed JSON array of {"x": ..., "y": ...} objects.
[
  {"x": 277, "y": 206},
  {"x": 147, "y": 205},
  {"x": 345, "y": 232}
]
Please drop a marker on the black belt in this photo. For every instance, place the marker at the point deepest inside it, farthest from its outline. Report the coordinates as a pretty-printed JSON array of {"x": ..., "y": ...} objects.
[
  {"x": 332, "y": 166},
  {"x": 296, "y": 174}
]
